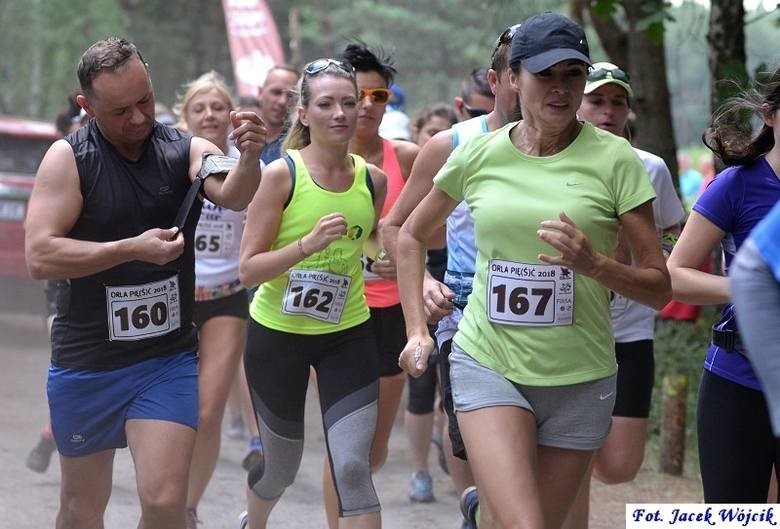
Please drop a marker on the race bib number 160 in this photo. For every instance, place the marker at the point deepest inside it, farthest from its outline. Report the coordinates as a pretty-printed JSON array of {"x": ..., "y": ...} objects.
[
  {"x": 529, "y": 294},
  {"x": 136, "y": 312}
]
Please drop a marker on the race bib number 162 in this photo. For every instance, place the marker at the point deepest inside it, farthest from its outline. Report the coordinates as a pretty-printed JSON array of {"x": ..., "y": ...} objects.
[
  {"x": 319, "y": 295},
  {"x": 529, "y": 294}
]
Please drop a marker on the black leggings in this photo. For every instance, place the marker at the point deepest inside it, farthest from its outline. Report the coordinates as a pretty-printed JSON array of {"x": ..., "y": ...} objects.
[
  {"x": 458, "y": 447},
  {"x": 277, "y": 370},
  {"x": 736, "y": 446}
]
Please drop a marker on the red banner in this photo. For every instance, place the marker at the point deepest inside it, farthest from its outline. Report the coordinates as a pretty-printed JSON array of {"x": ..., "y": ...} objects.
[{"x": 255, "y": 46}]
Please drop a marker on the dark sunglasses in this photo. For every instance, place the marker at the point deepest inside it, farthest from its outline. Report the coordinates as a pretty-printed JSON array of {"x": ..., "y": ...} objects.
[
  {"x": 379, "y": 96},
  {"x": 317, "y": 66},
  {"x": 599, "y": 74},
  {"x": 474, "y": 112},
  {"x": 504, "y": 38}
]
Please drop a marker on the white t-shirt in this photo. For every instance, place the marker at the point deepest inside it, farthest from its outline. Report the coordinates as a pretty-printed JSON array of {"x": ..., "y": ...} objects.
[
  {"x": 217, "y": 242},
  {"x": 632, "y": 321}
]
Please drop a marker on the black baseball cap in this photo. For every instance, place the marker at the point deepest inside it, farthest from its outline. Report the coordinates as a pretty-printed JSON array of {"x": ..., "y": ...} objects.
[{"x": 547, "y": 39}]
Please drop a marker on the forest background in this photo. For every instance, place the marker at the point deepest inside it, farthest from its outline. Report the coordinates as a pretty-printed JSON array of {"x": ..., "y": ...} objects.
[
  {"x": 674, "y": 50},
  {"x": 435, "y": 43}
]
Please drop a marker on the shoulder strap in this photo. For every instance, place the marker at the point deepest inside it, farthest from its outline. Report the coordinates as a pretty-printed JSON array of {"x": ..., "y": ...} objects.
[
  {"x": 359, "y": 162},
  {"x": 465, "y": 130},
  {"x": 291, "y": 166}
]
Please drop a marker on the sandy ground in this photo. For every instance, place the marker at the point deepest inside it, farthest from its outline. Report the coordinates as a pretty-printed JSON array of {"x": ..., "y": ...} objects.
[{"x": 30, "y": 500}]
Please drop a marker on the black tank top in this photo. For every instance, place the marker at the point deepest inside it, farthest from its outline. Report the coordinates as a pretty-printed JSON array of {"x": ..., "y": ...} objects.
[{"x": 136, "y": 310}]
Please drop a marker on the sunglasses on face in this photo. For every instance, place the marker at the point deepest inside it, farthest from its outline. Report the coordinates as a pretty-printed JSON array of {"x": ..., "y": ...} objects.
[
  {"x": 319, "y": 65},
  {"x": 379, "y": 96},
  {"x": 599, "y": 74},
  {"x": 474, "y": 112}
]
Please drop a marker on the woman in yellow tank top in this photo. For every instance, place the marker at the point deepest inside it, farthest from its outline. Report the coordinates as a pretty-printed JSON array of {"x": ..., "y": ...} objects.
[{"x": 302, "y": 243}]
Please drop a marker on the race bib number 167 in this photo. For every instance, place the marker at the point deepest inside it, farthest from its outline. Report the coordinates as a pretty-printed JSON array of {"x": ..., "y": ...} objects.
[{"x": 529, "y": 294}]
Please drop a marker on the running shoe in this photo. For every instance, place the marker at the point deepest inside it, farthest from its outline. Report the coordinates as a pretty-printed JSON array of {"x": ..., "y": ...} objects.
[
  {"x": 243, "y": 520},
  {"x": 253, "y": 454},
  {"x": 235, "y": 429},
  {"x": 469, "y": 501},
  {"x": 421, "y": 487},
  {"x": 40, "y": 456}
]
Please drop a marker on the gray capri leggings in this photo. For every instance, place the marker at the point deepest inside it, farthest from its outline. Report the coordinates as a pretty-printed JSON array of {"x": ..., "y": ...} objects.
[{"x": 277, "y": 369}]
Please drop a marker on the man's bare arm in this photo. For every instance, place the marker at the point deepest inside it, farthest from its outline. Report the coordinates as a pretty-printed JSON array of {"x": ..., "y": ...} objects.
[{"x": 53, "y": 209}]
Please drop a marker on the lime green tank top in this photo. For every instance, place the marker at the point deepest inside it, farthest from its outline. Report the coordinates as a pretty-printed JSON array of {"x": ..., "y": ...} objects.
[{"x": 325, "y": 292}]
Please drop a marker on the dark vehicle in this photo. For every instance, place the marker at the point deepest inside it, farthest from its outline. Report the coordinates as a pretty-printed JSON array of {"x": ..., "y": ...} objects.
[{"x": 23, "y": 142}]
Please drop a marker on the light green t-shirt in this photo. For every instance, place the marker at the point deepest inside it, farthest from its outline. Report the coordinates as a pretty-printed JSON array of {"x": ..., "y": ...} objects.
[
  {"x": 538, "y": 324},
  {"x": 325, "y": 292}
]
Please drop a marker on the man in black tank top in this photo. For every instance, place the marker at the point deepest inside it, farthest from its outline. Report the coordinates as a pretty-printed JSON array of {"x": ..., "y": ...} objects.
[{"x": 124, "y": 349}]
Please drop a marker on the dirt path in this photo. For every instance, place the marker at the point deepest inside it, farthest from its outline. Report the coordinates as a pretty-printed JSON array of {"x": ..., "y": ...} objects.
[
  {"x": 608, "y": 502},
  {"x": 30, "y": 500}
]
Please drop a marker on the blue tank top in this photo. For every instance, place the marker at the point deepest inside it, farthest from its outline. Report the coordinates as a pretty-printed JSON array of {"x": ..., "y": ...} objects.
[
  {"x": 136, "y": 310},
  {"x": 461, "y": 248}
]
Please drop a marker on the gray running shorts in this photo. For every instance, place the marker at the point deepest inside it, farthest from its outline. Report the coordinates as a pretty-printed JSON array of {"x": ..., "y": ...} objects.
[{"x": 575, "y": 417}]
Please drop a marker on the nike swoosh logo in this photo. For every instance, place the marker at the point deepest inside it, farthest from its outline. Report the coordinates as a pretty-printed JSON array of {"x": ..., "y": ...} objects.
[
  {"x": 605, "y": 397},
  {"x": 573, "y": 184}
]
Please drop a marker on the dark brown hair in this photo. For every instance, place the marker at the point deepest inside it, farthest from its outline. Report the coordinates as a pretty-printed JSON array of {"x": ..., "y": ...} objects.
[
  {"x": 731, "y": 136},
  {"x": 442, "y": 110},
  {"x": 105, "y": 55}
]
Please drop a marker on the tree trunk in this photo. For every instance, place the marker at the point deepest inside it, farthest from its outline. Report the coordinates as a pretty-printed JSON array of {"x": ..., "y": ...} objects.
[
  {"x": 645, "y": 60},
  {"x": 296, "y": 46},
  {"x": 651, "y": 101},
  {"x": 726, "y": 49},
  {"x": 613, "y": 39},
  {"x": 675, "y": 392},
  {"x": 726, "y": 40}
]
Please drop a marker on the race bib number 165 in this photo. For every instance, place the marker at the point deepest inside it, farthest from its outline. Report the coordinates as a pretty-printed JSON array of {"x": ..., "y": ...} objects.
[{"x": 529, "y": 294}]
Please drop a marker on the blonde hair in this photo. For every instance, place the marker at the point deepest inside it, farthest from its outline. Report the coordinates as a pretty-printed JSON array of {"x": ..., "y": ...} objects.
[
  {"x": 208, "y": 81},
  {"x": 299, "y": 136}
]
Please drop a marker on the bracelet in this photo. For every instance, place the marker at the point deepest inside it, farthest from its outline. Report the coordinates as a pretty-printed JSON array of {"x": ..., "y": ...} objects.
[{"x": 300, "y": 248}]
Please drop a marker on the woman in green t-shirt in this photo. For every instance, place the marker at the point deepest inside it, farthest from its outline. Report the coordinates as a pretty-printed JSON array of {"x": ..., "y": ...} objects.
[{"x": 532, "y": 364}]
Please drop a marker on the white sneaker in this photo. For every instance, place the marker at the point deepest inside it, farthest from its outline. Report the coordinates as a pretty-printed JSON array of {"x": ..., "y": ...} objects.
[
  {"x": 243, "y": 520},
  {"x": 235, "y": 429}
]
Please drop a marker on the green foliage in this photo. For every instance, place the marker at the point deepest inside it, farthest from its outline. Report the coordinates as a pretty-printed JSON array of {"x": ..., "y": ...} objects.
[
  {"x": 605, "y": 8},
  {"x": 180, "y": 39},
  {"x": 42, "y": 41},
  {"x": 435, "y": 44},
  {"x": 654, "y": 23},
  {"x": 688, "y": 71}
]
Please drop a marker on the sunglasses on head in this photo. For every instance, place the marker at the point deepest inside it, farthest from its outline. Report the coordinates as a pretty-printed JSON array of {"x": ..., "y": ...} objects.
[
  {"x": 319, "y": 65},
  {"x": 474, "y": 112},
  {"x": 379, "y": 96},
  {"x": 504, "y": 38},
  {"x": 599, "y": 74}
]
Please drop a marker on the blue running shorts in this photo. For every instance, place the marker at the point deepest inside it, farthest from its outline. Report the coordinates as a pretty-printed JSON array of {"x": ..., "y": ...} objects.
[{"x": 89, "y": 408}]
